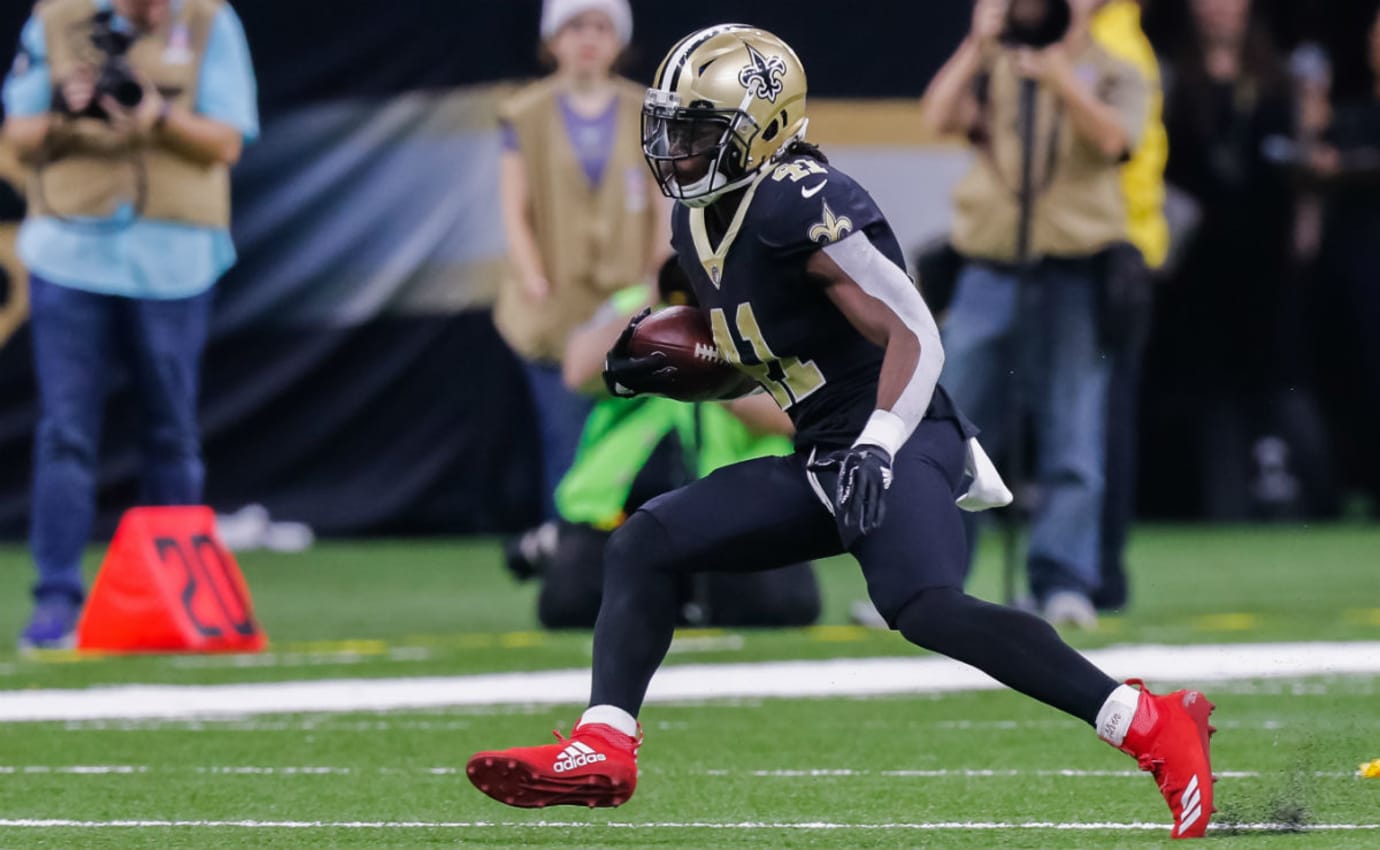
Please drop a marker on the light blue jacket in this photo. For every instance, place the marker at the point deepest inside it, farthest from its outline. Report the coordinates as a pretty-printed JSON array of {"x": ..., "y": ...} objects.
[{"x": 137, "y": 258}]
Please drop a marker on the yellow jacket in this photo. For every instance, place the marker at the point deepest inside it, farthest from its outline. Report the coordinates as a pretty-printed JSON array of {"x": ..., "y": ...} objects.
[{"x": 1116, "y": 27}]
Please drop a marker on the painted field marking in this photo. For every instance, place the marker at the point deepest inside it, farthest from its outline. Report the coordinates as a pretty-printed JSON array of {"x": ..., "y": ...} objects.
[
  {"x": 984, "y": 773},
  {"x": 781, "y": 773},
  {"x": 1363, "y": 616},
  {"x": 689, "y": 644},
  {"x": 329, "y": 723},
  {"x": 1229, "y": 622},
  {"x": 840, "y": 634},
  {"x": 850, "y": 677},
  {"x": 342, "y": 658},
  {"x": 74, "y": 769},
  {"x": 58, "y": 823}
]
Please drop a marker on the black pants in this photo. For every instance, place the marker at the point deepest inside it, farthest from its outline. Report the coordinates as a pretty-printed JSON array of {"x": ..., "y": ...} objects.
[
  {"x": 746, "y": 517},
  {"x": 1127, "y": 310},
  {"x": 573, "y": 586},
  {"x": 1119, "y": 500}
]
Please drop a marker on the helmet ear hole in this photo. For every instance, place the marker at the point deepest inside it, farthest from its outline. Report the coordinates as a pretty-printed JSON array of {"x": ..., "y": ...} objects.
[{"x": 772, "y": 129}]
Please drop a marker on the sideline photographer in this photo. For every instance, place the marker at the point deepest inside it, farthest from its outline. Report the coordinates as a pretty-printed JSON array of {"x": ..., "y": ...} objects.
[
  {"x": 130, "y": 114},
  {"x": 1040, "y": 218}
]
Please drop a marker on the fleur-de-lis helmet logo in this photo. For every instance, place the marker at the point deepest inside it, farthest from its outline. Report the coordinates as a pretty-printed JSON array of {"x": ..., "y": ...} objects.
[{"x": 762, "y": 78}]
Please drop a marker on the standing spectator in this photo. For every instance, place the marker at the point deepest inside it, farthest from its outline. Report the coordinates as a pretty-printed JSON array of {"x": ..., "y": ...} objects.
[
  {"x": 1344, "y": 165},
  {"x": 1232, "y": 376},
  {"x": 1117, "y": 29},
  {"x": 127, "y": 233},
  {"x": 1034, "y": 319},
  {"x": 581, "y": 216}
]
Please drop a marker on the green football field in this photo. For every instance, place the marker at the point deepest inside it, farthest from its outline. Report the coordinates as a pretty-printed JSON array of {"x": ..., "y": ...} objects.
[{"x": 956, "y": 769}]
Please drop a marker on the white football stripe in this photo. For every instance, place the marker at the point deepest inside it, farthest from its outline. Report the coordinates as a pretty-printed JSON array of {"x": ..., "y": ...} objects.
[
  {"x": 790, "y": 773},
  {"x": 1161, "y": 665},
  {"x": 987, "y": 773},
  {"x": 73, "y": 769},
  {"x": 938, "y": 826}
]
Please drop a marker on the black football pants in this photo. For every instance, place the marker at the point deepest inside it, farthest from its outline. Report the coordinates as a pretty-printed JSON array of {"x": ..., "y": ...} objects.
[
  {"x": 764, "y": 513},
  {"x": 573, "y": 584}
]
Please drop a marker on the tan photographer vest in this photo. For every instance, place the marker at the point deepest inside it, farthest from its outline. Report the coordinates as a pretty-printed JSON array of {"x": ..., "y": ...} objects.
[
  {"x": 593, "y": 240},
  {"x": 88, "y": 171},
  {"x": 1079, "y": 207}
]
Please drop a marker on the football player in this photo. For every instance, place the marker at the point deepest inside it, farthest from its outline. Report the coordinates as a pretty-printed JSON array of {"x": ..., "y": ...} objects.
[{"x": 803, "y": 283}]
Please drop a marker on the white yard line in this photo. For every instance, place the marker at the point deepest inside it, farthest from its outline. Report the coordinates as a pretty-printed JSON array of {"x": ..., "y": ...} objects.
[
  {"x": 741, "y": 825},
  {"x": 851, "y": 677},
  {"x": 74, "y": 769},
  {"x": 339, "y": 658},
  {"x": 327, "y": 723},
  {"x": 983, "y": 773},
  {"x": 791, "y": 773}
]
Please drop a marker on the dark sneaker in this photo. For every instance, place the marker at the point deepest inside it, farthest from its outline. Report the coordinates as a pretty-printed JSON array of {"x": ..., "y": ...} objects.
[{"x": 52, "y": 626}]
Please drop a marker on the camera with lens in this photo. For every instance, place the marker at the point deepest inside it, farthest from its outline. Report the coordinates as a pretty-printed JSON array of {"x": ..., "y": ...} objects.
[
  {"x": 115, "y": 77},
  {"x": 1036, "y": 23}
]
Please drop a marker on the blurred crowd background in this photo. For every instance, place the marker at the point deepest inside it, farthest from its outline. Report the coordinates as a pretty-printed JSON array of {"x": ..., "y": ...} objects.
[{"x": 354, "y": 379}]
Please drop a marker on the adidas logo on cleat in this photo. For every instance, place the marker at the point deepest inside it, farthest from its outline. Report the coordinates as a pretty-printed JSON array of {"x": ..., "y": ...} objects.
[{"x": 577, "y": 755}]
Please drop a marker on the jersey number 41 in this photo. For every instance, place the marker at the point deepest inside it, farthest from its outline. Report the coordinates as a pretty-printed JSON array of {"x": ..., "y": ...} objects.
[{"x": 787, "y": 379}]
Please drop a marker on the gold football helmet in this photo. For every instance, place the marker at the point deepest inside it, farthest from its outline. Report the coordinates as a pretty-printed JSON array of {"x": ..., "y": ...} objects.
[{"x": 727, "y": 101}]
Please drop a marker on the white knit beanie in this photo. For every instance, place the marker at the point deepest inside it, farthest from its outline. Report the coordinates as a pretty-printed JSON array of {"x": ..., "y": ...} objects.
[{"x": 557, "y": 13}]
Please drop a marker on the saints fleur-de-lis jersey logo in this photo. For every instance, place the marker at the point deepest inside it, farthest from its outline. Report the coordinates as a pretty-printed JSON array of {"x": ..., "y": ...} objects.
[
  {"x": 762, "y": 78},
  {"x": 831, "y": 228}
]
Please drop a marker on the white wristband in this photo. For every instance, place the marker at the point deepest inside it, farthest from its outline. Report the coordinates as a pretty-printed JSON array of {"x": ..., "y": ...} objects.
[{"x": 885, "y": 430}]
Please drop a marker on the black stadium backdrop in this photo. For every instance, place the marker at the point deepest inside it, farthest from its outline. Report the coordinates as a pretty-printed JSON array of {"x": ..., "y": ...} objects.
[{"x": 354, "y": 379}]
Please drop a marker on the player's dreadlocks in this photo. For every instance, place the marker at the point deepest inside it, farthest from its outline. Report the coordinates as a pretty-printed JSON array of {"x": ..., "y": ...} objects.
[{"x": 800, "y": 147}]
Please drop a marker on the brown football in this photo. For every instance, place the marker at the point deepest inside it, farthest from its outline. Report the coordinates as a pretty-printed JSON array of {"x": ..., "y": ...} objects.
[{"x": 683, "y": 336}]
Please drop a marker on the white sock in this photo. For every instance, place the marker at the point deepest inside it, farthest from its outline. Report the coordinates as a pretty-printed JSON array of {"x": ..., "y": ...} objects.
[
  {"x": 1114, "y": 719},
  {"x": 610, "y": 715}
]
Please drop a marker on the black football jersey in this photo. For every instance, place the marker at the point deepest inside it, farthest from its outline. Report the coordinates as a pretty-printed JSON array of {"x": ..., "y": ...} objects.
[{"x": 773, "y": 322}]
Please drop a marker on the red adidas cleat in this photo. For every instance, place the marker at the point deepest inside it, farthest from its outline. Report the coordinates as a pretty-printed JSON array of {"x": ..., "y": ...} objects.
[
  {"x": 1169, "y": 737},
  {"x": 596, "y": 766}
]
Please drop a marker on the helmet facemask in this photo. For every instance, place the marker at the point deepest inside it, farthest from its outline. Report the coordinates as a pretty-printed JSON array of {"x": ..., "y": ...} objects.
[{"x": 718, "y": 140}]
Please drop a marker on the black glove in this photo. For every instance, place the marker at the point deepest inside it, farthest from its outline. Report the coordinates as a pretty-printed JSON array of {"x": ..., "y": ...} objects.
[
  {"x": 627, "y": 376},
  {"x": 864, "y": 474}
]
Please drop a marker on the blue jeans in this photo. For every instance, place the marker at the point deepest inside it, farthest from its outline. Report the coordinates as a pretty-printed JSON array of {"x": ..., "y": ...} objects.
[
  {"x": 81, "y": 340},
  {"x": 1048, "y": 344},
  {"x": 561, "y": 415}
]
